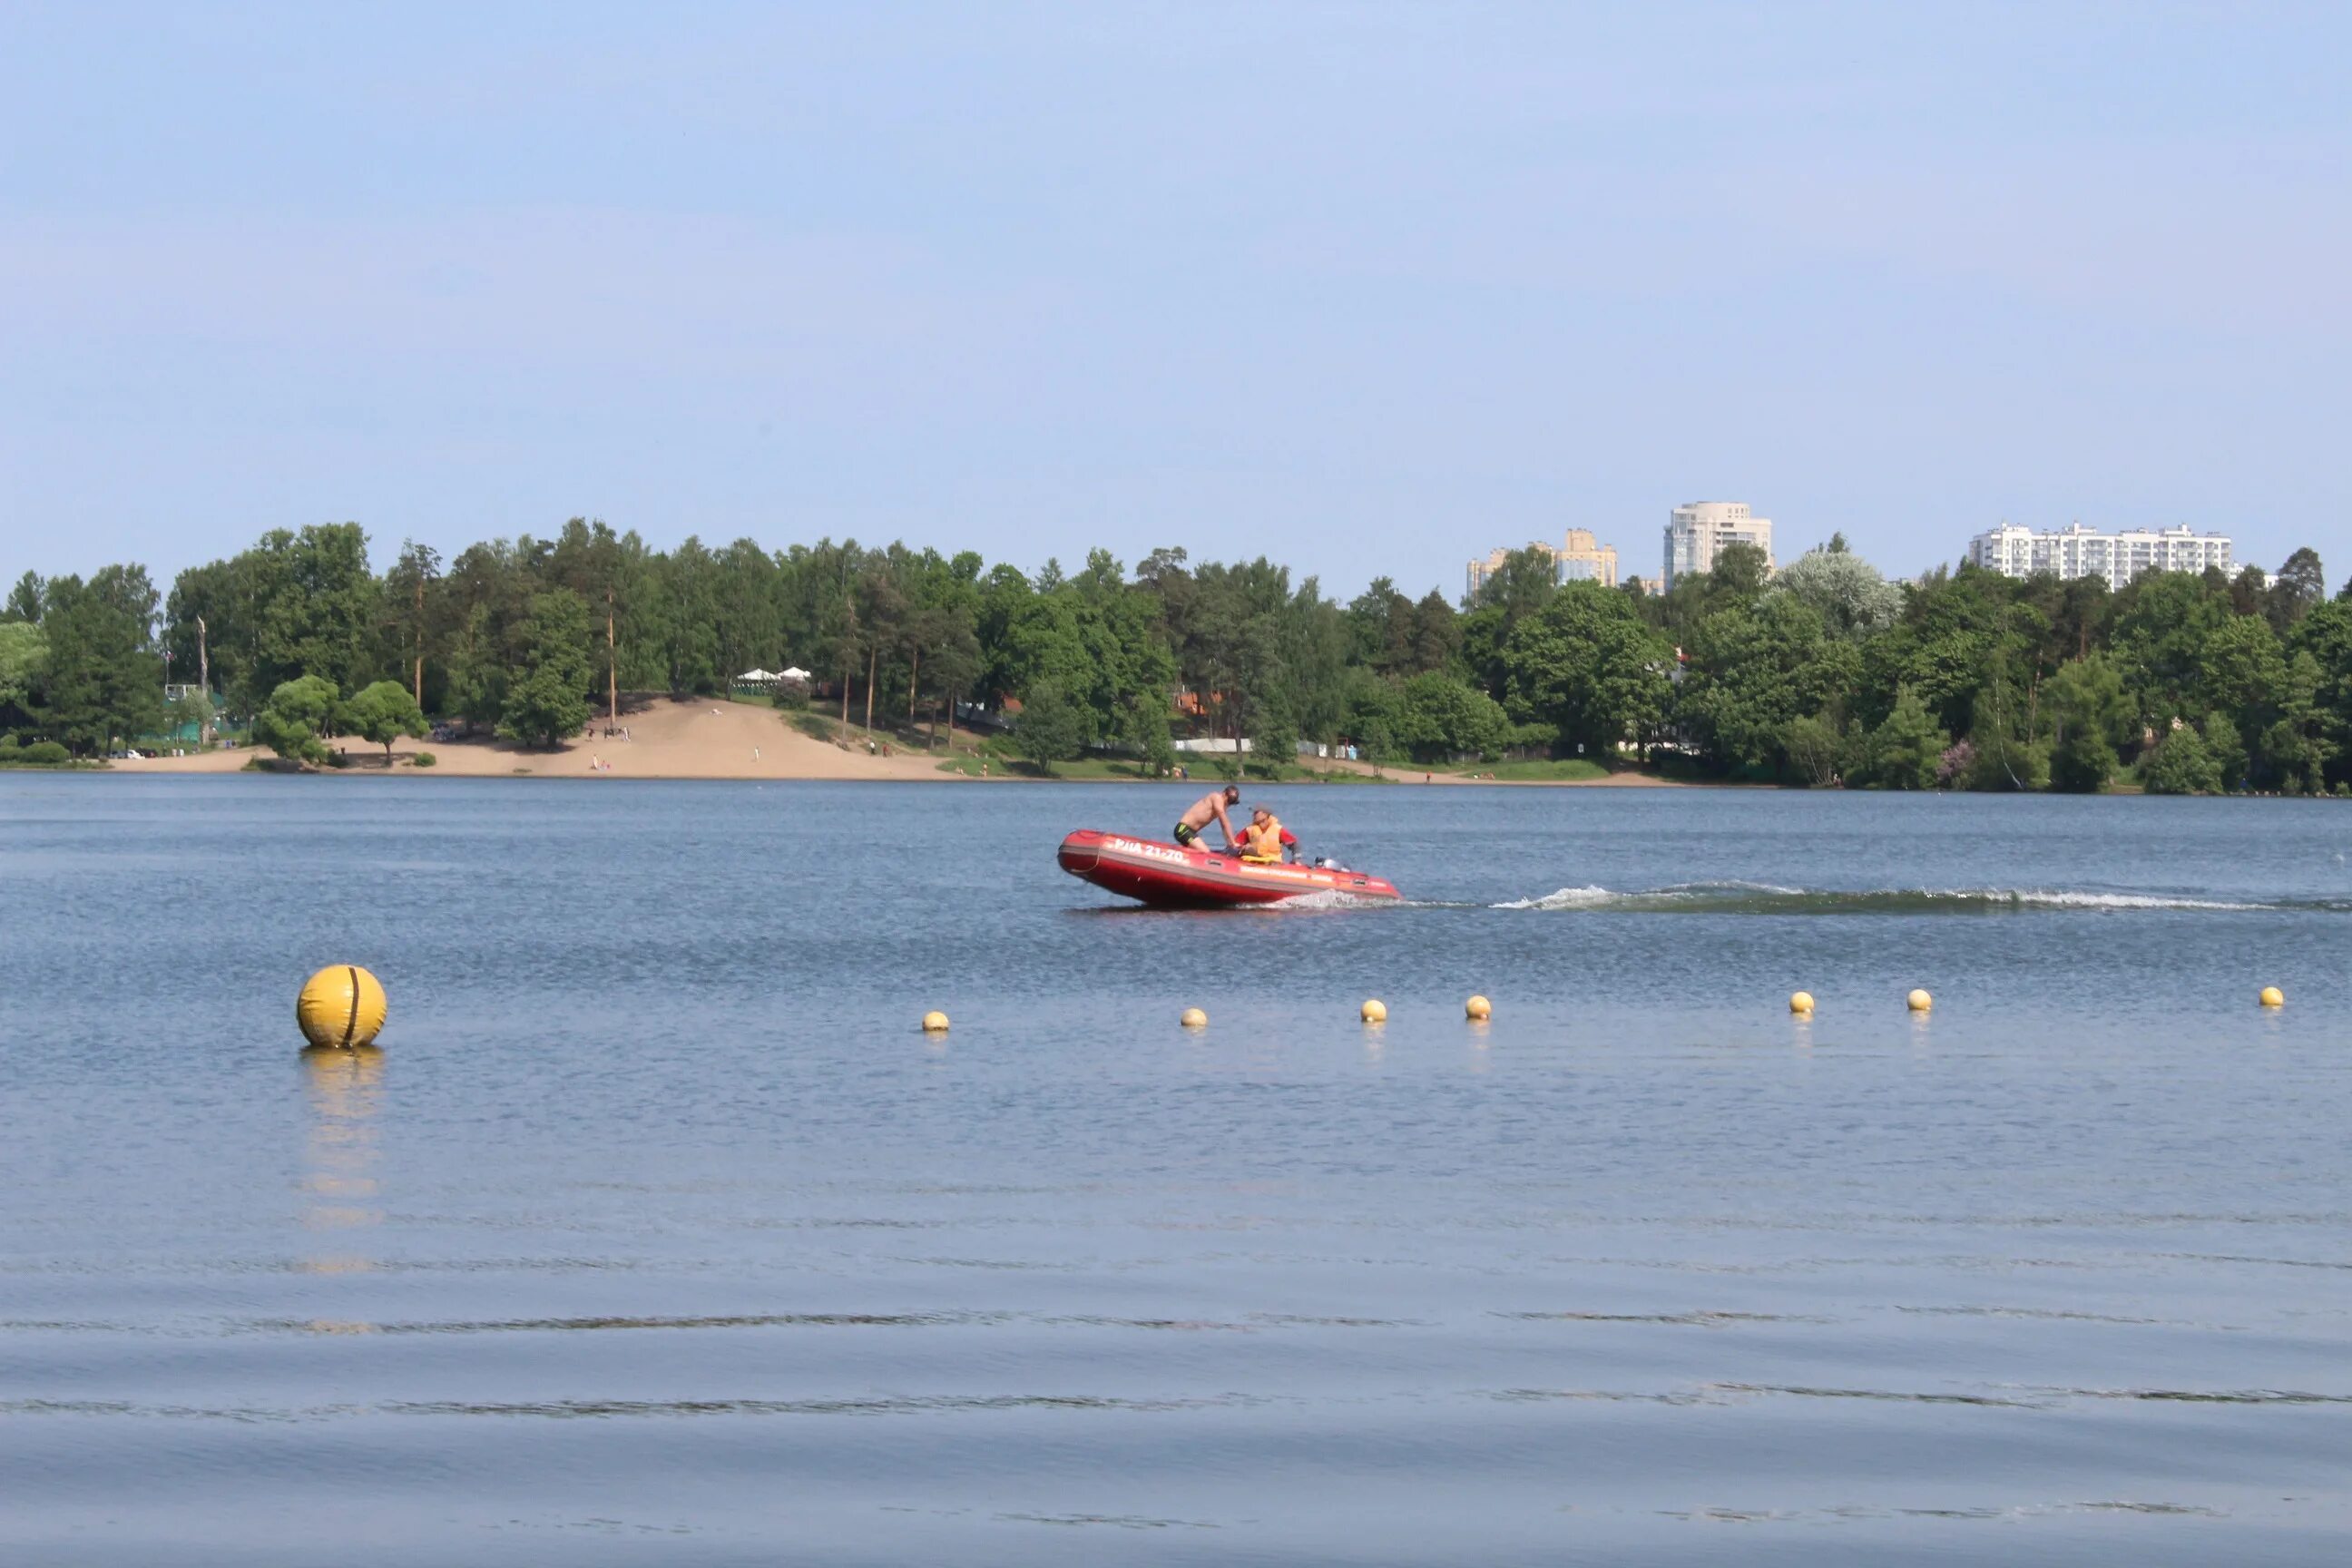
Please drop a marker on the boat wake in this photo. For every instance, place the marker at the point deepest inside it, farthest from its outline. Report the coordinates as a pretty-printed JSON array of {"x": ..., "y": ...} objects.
[
  {"x": 1765, "y": 899},
  {"x": 1334, "y": 900}
]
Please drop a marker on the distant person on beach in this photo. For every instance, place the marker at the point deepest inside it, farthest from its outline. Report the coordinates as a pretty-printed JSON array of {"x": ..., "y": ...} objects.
[{"x": 1210, "y": 807}]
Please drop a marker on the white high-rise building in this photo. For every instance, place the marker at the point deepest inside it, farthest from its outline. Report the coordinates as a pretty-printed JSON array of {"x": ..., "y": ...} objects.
[
  {"x": 1695, "y": 533},
  {"x": 2081, "y": 551}
]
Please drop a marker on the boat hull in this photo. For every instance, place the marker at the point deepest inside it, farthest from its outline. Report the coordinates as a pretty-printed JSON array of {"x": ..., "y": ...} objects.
[{"x": 1168, "y": 875}]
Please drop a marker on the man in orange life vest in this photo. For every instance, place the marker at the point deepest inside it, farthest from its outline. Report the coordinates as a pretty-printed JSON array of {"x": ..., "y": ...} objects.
[{"x": 1265, "y": 836}]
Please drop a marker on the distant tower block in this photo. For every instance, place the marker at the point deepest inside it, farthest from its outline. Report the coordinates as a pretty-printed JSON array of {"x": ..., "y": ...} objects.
[{"x": 1697, "y": 532}]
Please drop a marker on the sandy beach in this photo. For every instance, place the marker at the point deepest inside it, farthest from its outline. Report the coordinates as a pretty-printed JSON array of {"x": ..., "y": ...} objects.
[
  {"x": 704, "y": 739},
  {"x": 667, "y": 739}
]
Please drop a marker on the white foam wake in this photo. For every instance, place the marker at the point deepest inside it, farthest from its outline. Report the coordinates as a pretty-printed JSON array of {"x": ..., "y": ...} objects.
[{"x": 1565, "y": 899}]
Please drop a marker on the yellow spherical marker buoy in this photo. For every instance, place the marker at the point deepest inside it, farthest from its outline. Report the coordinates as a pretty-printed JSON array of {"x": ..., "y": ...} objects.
[
  {"x": 1374, "y": 1012},
  {"x": 1194, "y": 1019},
  {"x": 1920, "y": 1001},
  {"x": 342, "y": 1006},
  {"x": 1801, "y": 1002},
  {"x": 1477, "y": 1009},
  {"x": 935, "y": 1023},
  {"x": 2273, "y": 996}
]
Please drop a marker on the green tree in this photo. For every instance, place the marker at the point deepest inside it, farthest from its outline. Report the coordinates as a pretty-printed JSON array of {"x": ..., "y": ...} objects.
[
  {"x": 2292, "y": 753},
  {"x": 2160, "y": 624},
  {"x": 2181, "y": 764},
  {"x": 1436, "y": 635},
  {"x": 1587, "y": 666},
  {"x": 24, "y": 658},
  {"x": 479, "y": 672},
  {"x": 2240, "y": 668},
  {"x": 1273, "y": 735},
  {"x": 381, "y": 714},
  {"x": 1143, "y": 726},
  {"x": 548, "y": 698},
  {"x": 294, "y": 722},
  {"x": 1819, "y": 747},
  {"x": 1050, "y": 728},
  {"x": 2297, "y": 588},
  {"x": 415, "y": 621},
  {"x": 1740, "y": 571},
  {"x": 101, "y": 681},
  {"x": 1909, "y": 745},
  {"x": 1521, "y": 586},
  {"x": 2001, "y": 753},
  {"x": 2087, "y": 706},
  {"x": 1442, "y": 718},
  {"x": 1754, "y": 667},
  {"x": 2227, "y": 747},
  {"x": 2325, "y": 635},
  {"x": 313, "y": 607},
  {"x": 1960, "y": 633},
  {"x": 2001, "y": 761},
  {"x": 25, "y": 599},
  {"x": 1374, "y": 718}
]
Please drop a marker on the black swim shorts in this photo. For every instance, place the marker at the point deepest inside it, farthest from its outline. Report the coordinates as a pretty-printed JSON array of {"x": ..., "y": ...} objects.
[{"x": 1186, "y": 833}]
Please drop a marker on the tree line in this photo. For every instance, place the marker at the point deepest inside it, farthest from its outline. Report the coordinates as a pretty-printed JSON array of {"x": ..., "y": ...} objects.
[{"x": 1823, "y": 672}]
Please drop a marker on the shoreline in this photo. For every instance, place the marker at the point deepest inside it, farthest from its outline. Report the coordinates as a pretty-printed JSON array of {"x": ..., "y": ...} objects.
[{"x": 741, "y": 742}]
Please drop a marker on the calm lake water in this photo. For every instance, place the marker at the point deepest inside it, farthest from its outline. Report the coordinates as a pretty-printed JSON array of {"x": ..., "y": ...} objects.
[{"x": 657, "y": 1233}]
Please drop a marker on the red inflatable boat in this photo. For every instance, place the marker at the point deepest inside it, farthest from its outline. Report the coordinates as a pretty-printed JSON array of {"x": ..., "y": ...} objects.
[{"x": 1166, "y": 875}]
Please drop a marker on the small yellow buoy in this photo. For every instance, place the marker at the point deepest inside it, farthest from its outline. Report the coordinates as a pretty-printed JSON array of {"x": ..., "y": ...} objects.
[
  {"x": 2274, "y": 997},
  {"x": 1194, "y": 1019},
  {"x": 1802, "y": 1002},
  {"x": 1479, "y": 1009},
  {"x": 1920, "y": 1001},
  {"x": 342, "y": 1006},
  {"x": 935, "y": 1023},
  {"x": 1374, "y": 1012}
]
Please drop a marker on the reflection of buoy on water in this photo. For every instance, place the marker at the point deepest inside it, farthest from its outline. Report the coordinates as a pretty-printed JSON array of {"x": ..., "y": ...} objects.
[
  {"x": 1374, "y": 1012},
  {"x": 1802, "y": 1002},
  {"x": 935, "y": 1023},
  {"x": 340, "y": 1006},
  {"x": 1194, "y": 1019},
  {"x": 1920, "y": 1001},
  {"x": 1477, "y": 1009},
  {"x": 2273, "y": 996}
]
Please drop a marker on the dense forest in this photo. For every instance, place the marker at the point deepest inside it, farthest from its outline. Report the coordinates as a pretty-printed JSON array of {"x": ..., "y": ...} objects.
[{"x": 1821, "y": 673}]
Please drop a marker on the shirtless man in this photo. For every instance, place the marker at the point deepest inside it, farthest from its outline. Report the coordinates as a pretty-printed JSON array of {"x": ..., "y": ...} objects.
[{"x": 1210, "y": 807}]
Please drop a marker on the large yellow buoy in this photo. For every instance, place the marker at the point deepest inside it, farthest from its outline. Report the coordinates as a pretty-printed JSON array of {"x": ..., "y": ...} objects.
[
  {"x": 2274, "y": 997},
  {"x": 1374, "y": 1012},
  {"x": 935, "y": 1023},
  {"x": 1802, "y": 1002},
  {"x": 342, "y": 1006},
  {"x": 1920, "y": 1001},
  {"x": 1477, "y": 1009},
  {"x": 1194, "y": 1019}
]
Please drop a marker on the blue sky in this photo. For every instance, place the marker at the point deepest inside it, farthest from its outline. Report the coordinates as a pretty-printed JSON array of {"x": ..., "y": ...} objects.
[{"x": 1364, "y": 288}]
